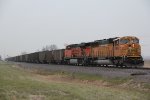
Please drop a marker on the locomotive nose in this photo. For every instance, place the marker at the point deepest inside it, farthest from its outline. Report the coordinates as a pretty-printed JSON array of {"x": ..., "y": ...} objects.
[
  {"x": 133, "y": 50},
  {"x": 129, "y": 45},
  {"x": 132, "y": 45}
]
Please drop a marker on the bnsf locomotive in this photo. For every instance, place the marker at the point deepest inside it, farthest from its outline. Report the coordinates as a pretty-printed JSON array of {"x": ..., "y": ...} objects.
[{"x": 118, "y": 51}]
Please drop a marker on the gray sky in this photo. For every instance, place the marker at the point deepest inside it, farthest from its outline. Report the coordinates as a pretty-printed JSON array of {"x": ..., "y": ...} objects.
[{"x": 28, "y": 25}]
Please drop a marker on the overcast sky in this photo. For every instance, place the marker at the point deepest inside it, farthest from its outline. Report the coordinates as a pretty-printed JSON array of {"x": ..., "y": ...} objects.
[{"x": 28, "y": 25}]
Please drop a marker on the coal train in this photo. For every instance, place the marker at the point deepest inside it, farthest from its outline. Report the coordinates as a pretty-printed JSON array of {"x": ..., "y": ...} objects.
[{"x": 119, "y": 51}]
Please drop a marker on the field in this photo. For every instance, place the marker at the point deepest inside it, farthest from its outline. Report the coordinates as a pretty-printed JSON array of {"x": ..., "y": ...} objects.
[{"x": 17, "y": 83}]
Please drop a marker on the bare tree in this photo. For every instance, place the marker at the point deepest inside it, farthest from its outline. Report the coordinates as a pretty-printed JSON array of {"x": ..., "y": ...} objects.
[
  {"x": 37, "y": 50},
  {"x": 44, "y": 49},
  {"x": 53, "y": 47},
  {"x": 49, "y": 47},
  {"x": 23, "y": 53}
]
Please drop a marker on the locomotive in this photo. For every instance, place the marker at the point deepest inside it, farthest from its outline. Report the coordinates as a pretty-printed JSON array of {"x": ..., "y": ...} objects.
[{"x": 119, "y": 51}]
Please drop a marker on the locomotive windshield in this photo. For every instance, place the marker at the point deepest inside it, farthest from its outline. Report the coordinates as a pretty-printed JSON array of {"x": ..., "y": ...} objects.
[
  {"x": 124, "y": 41},
  {"x": 129, "y": 40},
  {"x": 135, "y": 41}
]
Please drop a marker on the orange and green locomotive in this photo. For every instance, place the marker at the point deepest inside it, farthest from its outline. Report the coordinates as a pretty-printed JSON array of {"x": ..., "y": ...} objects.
[{"x": 119, "y": 51}]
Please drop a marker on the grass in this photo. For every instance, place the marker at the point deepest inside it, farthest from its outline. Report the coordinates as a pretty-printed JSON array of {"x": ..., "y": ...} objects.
[
  {"x": 84, "y": 76},
  {"x": 20, "y": 84},
  {"x": 147, "y": 86}
]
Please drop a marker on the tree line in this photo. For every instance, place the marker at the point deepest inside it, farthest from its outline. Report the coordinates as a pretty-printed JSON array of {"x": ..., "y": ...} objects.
[{"x": 45, "y": 48}]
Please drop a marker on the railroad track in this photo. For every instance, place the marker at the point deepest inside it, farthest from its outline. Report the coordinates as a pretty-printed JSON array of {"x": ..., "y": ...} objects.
[
  {"x": 85, "y": 69},
  {"x": 142, "y": 68},
  {"x": 103, "y": 71},
  {"x": 105, "y": 67},
  {"x": 139, "y": 74}
]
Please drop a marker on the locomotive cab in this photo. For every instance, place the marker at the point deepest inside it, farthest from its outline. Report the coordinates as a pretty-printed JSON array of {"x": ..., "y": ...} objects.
[
  {"x": 131, "y": 46},
  {"x": 128, "y": 51}
]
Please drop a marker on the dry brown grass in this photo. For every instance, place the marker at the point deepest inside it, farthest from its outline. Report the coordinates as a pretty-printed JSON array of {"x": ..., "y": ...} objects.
[{"x": 20, "y": 84}]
